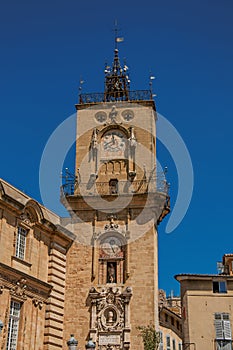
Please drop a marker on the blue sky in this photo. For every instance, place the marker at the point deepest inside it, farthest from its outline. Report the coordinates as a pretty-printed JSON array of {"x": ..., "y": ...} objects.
[{"x": 46, "y": 46}]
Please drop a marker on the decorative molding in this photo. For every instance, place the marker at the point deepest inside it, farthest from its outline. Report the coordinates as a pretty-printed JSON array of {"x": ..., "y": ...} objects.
[
  {"x": 24, "y": 262},
  {"x": 57, "y": 246},
  {"x": 26, "y": 219},
  {"x": 37, "y": 303},
  {"x": 110, "y": 315},
  {"x": 10, "y": 280},
  {"x": 111, "y": 226},
  {"x": 18, "y": 291},
  {"x": 113, "y": 115},
  {"x": 111, "y": 347}
]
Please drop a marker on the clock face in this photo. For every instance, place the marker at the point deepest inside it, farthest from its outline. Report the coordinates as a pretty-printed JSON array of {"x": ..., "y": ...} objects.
[
  {"x": 114, "y": 143},
  {"x": 111, "y": 246}
]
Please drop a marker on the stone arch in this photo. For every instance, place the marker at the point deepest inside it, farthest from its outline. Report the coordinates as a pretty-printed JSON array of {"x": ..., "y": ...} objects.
[
  {"x": 33, "y": 210},
  {"x": 121, "y": 128}
]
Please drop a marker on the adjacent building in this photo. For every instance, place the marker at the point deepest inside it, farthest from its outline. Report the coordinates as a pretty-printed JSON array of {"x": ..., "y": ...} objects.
[
  {"x": 33, "y": 248},
  {"x": 170, "y": 322},
  {"x": 207, "y": 308}
]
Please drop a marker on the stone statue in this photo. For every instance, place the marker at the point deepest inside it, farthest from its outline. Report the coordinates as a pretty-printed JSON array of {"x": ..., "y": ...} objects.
[{"x": 111, "y": 273}]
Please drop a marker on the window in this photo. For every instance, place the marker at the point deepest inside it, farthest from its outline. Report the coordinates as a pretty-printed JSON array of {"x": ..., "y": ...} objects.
[
  {"x": 168, "y": 342},
  {"x": 223, "y": 331},
  {"x": 113, "y": 186},
  {"x": 224, "y": 345},
  {"x": 166, "y": 318},
  {"x": 173, "y": 344},
  {"x": 161, "y": 341},
  {"x": 172, "y": 321},
  {"x": 13, "y": 325},
  {"x": 180, "y": 346},
  {"x": 219, "y": 287},
  {"x": 21, "y": 243}
]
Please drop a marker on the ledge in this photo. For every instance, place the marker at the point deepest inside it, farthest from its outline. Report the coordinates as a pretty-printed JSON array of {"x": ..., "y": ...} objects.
[{"x": 24, "y": 262}]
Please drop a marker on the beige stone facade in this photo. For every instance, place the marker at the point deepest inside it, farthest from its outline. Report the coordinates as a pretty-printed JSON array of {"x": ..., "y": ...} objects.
[
  {"x": 170, "y": 323},
  {"x": 207, "y": 304},
  {"x": 113, "y": 150},
  {"x": 33, "y": 249}
]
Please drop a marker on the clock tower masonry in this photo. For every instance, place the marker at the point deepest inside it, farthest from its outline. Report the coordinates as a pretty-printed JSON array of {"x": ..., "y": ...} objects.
[{"x": 116, "y": 202}]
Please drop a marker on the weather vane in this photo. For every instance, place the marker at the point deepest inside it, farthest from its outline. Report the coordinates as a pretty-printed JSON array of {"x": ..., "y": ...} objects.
[{"x": 116, "y": 31}]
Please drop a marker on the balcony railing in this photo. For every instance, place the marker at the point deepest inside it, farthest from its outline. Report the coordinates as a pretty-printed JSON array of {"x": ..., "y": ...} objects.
[
  {"x": 95, "y": 188},
  {"x": 137, "y": 95}
]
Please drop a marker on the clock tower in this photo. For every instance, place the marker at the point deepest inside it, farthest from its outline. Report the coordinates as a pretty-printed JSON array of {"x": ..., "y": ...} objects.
[{"x": 115, "y": 203}]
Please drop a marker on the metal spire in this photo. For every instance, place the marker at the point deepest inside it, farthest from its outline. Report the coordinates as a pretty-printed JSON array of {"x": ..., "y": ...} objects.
[{"x": 116, "y": 78}]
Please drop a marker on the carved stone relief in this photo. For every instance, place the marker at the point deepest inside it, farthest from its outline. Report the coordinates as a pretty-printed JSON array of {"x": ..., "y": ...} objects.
[
  {"x": 19, "y": 290},
  {"x": 110, "y": 317}
]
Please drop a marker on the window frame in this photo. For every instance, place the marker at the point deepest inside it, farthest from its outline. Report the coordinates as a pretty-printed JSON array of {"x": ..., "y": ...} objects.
[
  {"x": 219, "y": 286},
  {"x": 161, "y": 340},
  {"x": 168, "y": 343},
  {"x": 221, "y": 346},
  {"x": 13, "y": 325},
  {"x": 223, "y": 331},
  {"x": 21, "y": 242}
]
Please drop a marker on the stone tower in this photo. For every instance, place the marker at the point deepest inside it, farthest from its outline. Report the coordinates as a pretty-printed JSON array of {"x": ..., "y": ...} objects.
[{"x": 115, "y": 202}]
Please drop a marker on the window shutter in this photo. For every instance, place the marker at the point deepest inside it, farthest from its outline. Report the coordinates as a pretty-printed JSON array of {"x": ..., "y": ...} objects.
[
  {"x": 219, "y": 329},
  {"x": 227, "y": 330}
]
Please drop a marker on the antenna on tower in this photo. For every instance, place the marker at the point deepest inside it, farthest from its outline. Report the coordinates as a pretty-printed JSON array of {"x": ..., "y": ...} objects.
[
  {"x": 151, "y": 78},
  {"x": 81, "y": 82}
]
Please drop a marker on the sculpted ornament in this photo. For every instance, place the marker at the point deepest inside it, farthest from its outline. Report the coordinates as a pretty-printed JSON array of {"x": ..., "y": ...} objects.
[
  {"x": 113, "y": 114},
  {"x": 25, "y": 217},
  {"x": 111, "y": 347},
  {"x": 38, "y": 303},
  {"x": 19, "y": 289}
]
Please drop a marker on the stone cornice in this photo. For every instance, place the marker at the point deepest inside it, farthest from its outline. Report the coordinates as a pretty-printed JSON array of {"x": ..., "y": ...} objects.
[{"x": 22, "y": 284}]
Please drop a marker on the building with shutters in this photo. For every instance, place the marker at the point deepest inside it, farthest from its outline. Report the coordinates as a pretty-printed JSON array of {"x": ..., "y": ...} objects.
[{"x": 207, "y": 308}]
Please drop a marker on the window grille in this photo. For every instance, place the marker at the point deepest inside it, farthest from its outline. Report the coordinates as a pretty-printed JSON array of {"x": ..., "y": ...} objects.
[
  {"x": 13, "y": 325},
  {"x": 21, "y": 243}
]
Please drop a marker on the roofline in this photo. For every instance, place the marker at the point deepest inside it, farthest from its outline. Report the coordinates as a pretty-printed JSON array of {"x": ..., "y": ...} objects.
[
  {"x": 189, "y": 276},
  {"x": 145, "y": 103},
  {"x": 17, "y": 200},
  {"x": 170, "y": 311}
]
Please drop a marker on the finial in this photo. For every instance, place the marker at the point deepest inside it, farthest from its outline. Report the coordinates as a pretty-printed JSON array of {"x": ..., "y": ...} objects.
[{"x": 116, "y": 79}]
